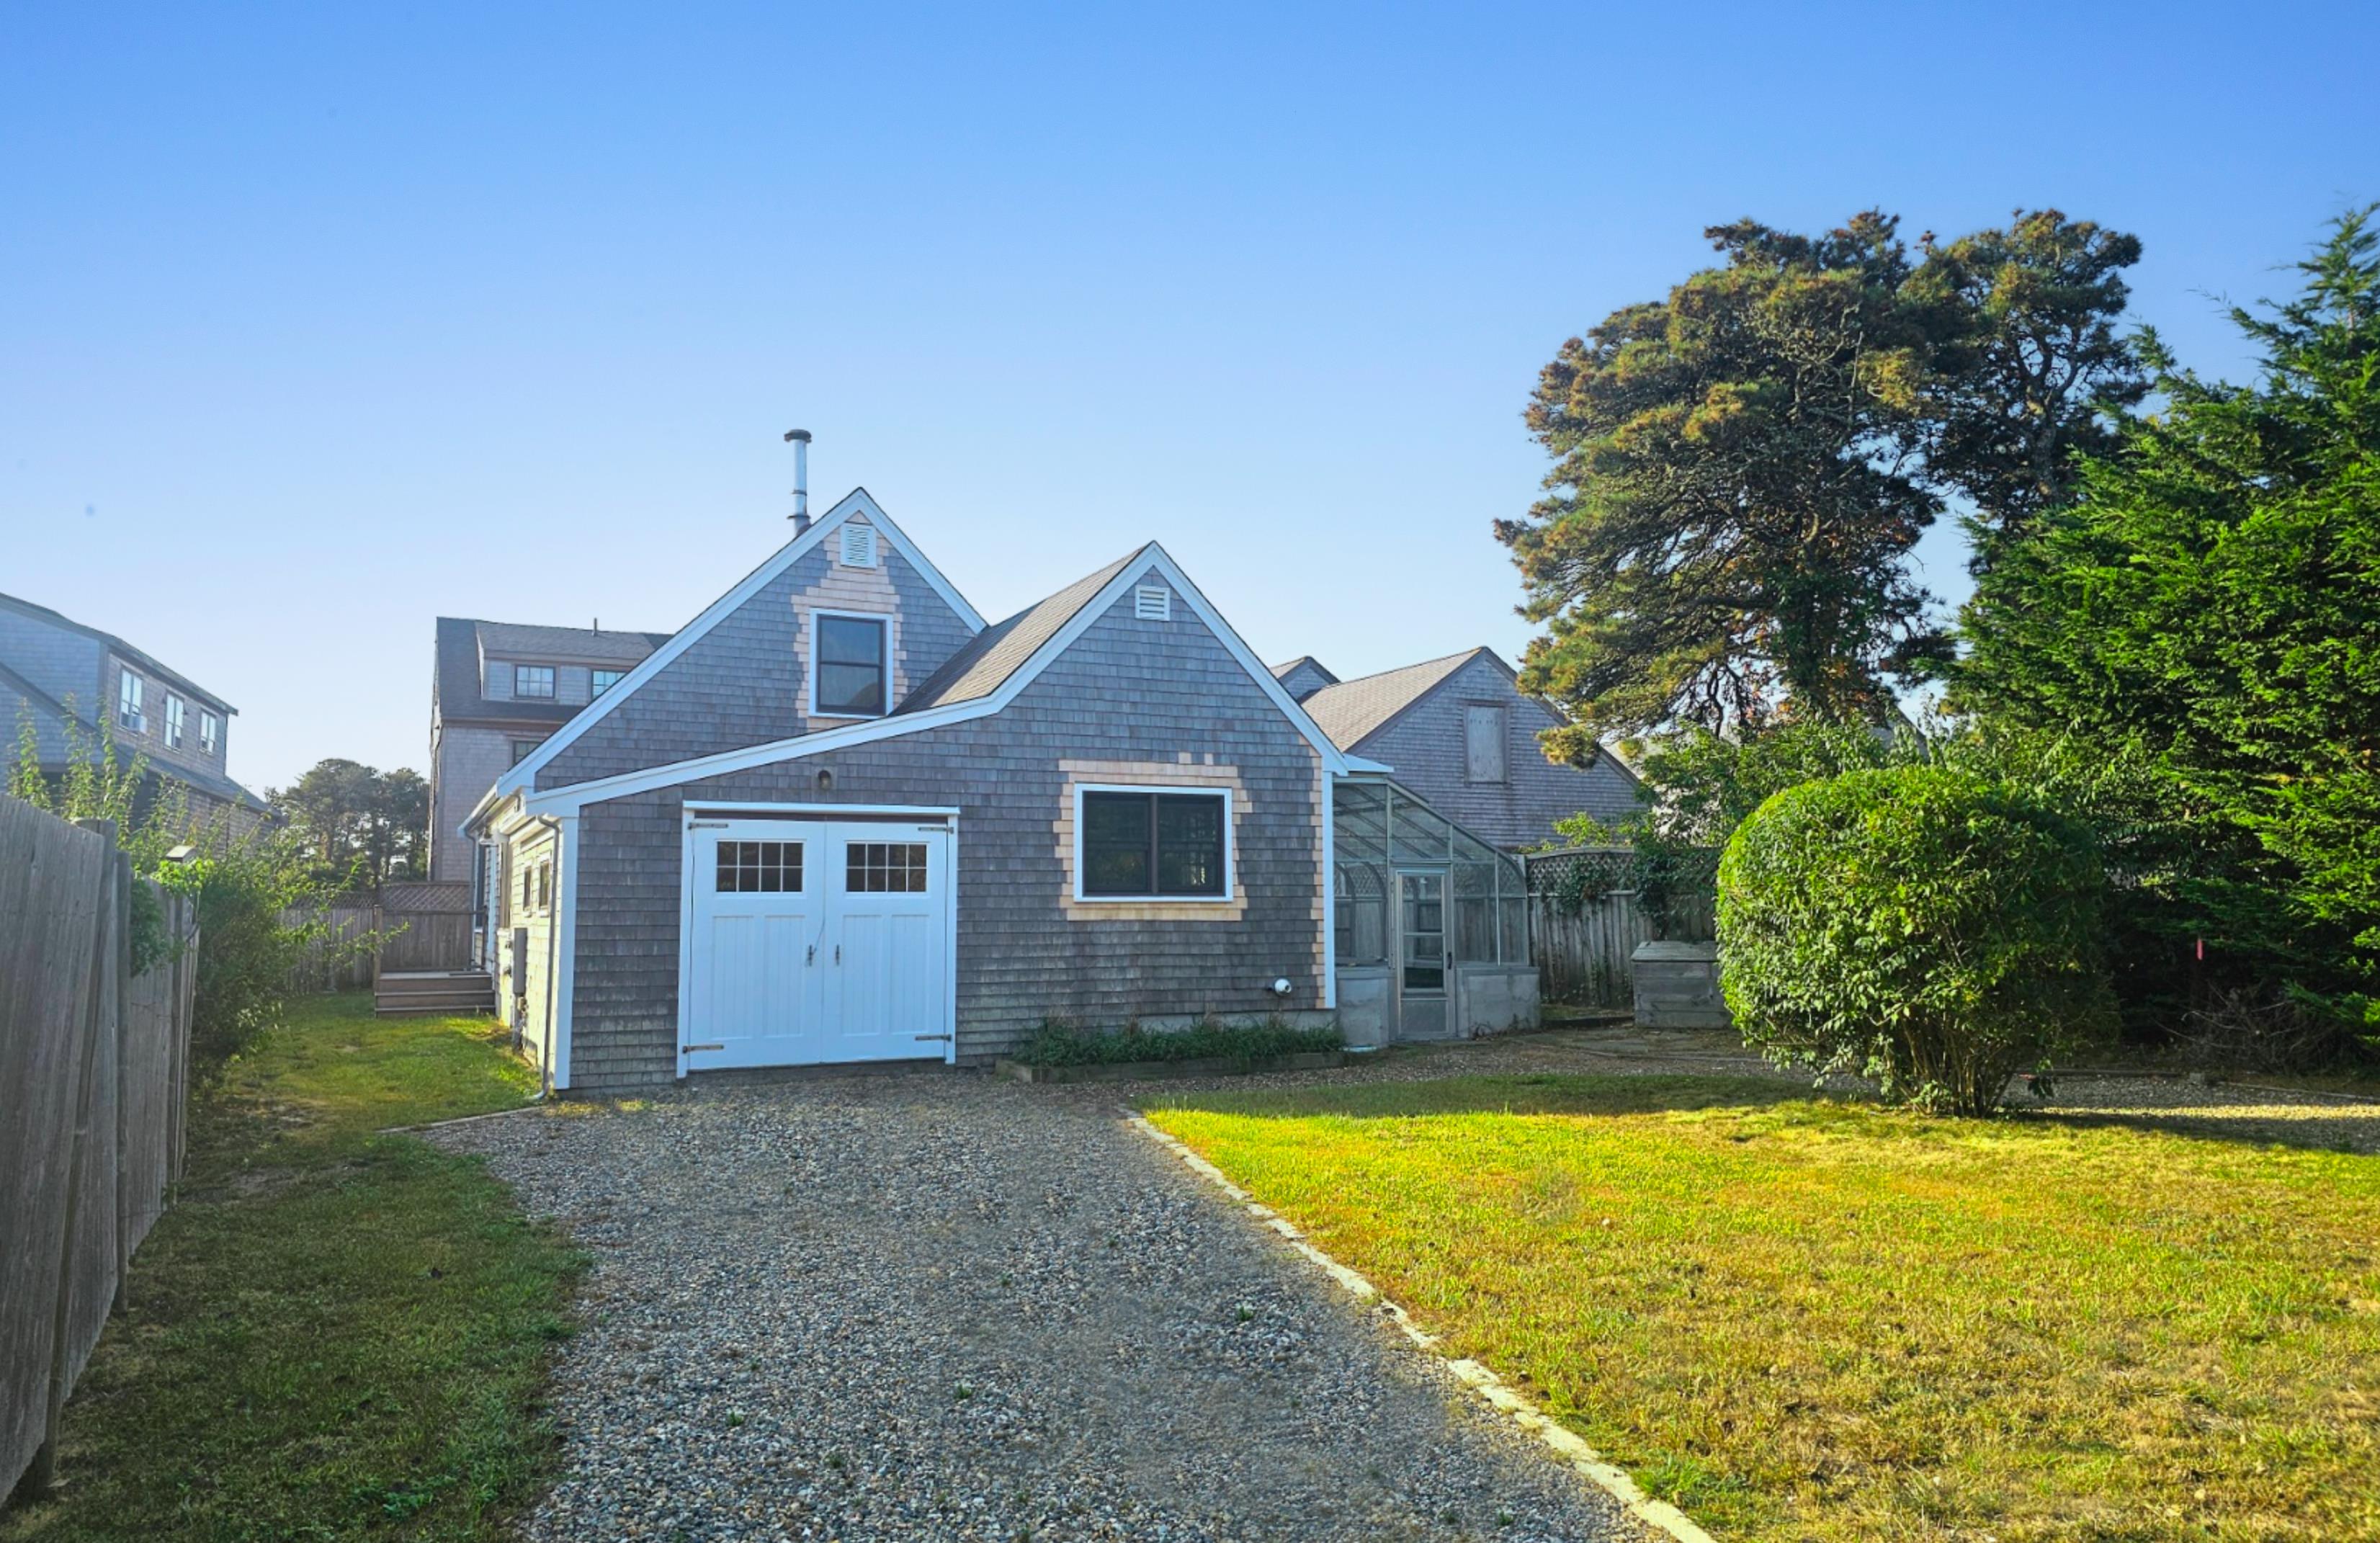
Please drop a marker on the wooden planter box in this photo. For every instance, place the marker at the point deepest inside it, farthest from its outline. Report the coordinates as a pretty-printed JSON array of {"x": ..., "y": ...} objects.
[{"x": 1207, "y": 1066}]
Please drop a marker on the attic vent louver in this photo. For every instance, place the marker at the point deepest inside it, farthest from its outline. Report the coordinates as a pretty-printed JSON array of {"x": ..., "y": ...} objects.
[
  {"x": 1152, "y": 602},
  {"x": 858, "y": 546}
]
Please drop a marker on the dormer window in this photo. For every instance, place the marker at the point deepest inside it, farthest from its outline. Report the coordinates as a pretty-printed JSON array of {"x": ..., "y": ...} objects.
[
  {"x": 173, "y": 721},
  {"x": 210, "y": 732},
  {"x": 128, "y": 714},
  {"x": 533, "y": 680},
  {"x": 847, "y": 666}
]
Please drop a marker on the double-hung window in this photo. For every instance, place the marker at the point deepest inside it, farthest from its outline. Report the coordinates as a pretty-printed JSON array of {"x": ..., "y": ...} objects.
[
  {"x": 210, "y": 731},
  {"x": 848, "y": 674},
  {"x": 533, "y": 680},
  {"x": 1137, "y": 845},
  {"x": 173, "y": 721},
  {"x": 128, "y": 714},
  {"x": 600, "y": 681}
]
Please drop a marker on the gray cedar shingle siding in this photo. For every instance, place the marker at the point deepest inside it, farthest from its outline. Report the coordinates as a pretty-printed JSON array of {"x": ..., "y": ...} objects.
[
  {"x": 1127, "y": 690},
  {"x": 1424, "y": 743},
  {"x": 743, "y": 681}
]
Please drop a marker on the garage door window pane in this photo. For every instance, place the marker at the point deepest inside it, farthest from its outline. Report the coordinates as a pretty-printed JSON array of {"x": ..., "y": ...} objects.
[
  {"x": 884, "y": 868},
  {"x": 759, "y": 867}
]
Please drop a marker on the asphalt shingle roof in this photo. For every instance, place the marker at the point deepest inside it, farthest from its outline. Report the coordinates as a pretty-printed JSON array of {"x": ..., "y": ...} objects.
[
  {"x": 1353, "y": 711},
  {"x": 1001, "y": 650}
]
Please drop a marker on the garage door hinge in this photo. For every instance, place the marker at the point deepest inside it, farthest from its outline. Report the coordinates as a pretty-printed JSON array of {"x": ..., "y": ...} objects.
[
  {"x": 689, "y": 1050},
  {"x": 933, "y": 1037}
]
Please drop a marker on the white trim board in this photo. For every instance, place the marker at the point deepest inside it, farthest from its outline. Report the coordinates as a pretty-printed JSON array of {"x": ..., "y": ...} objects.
[
  {"x": 523, "y": 774},
  {"x": 579, "y": 794}
]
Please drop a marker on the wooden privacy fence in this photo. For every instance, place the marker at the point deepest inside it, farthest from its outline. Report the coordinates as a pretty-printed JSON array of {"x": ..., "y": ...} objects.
[
  {"x": 94, "y": 1070},
  {"x": 1587, "y": 918},
  {"x": 333, "y": 962},
  {"x": 420, "y": 925}
]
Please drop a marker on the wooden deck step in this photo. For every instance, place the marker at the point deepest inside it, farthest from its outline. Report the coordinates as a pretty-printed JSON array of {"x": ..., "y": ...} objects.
[{"x": 433, "y": 992}]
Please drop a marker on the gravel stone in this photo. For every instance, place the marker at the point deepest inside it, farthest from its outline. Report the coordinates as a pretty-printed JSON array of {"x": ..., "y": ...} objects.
[{"x": 938, "y": 1305}]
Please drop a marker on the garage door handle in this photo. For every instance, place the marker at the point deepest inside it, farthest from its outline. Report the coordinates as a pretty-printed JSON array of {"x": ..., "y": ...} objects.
[
  {"x": 812, "y": 958},
  {"x": 838, "y": 953}
]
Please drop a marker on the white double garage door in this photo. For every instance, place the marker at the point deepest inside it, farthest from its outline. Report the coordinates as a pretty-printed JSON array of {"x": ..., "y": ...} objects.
[{"x": 812, "y": 940}]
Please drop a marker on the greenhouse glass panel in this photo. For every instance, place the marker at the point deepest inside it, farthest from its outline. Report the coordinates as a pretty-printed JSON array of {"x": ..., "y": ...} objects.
[
  {"x": 1416, "y": 833},
  {"x": 1363, "y": 915}
]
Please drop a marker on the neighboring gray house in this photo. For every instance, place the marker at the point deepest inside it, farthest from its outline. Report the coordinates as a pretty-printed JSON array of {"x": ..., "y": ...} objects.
[
  {"x": 1463, "y": 737},
  {"x": 839, "y": 817},
  {"x": 65, "y": 678},
  {"x": 496, "y": 691}
]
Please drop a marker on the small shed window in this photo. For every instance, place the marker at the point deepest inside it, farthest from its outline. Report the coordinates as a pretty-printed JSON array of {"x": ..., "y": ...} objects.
[
  {"x": 1150, "y": 844},
  {"x": 533, "y": 680},
  {"x": 1483, "y": 745},
  {"x": 849, "y": 677}
]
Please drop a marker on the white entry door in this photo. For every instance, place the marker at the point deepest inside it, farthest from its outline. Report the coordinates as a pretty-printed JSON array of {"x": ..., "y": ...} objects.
[{"x": 816, "y": 940}]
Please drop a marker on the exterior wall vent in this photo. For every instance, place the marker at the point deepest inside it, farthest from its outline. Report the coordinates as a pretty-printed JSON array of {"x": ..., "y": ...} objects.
[
  {"x": 1152, "y": 602},
  {"x": 859, "y": 546}
]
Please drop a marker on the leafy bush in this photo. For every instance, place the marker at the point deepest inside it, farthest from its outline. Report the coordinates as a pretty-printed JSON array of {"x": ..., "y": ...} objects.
[
  {"x": 1923, "y": 926},
  {"x": 1059, "y": 1043}
]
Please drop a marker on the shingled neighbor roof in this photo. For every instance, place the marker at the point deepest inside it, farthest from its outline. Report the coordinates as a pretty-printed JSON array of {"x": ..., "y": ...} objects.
[
  {"x": 1282, "y": 672},
  {"x": 122, "y": 649},
  {"x": 462, "y": 640},
  {"x": 1001, "y": 650},
  {"x": 1350, "y": 712}
]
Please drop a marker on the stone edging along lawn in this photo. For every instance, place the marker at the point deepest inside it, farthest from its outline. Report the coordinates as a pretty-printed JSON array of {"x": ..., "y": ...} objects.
[
  {"x": 1201, "y": 1067},
  {"x": 1490, "y": 1388}
]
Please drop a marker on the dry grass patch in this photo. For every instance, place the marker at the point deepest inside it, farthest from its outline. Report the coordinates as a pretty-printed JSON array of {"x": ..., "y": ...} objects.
[{"x": 1816, "y": 1319}]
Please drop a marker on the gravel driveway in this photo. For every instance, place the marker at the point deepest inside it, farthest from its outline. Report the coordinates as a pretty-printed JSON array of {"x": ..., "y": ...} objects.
[{"x": 935, "y": 1306}]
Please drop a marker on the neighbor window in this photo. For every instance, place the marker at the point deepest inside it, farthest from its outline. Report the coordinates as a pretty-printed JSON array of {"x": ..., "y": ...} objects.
[
  {"x": 521, "y": 747},
  {"x": 127, "y": 703},
  {"x": 533, "y": 680},
  {"x": 173, "y": 721},
  {"x": 210, "y": 732},
  {"x": 849, "y": 673},
  {"x": 545, "y": 886},
  {"x": 604, "y": 680},
  {"x": 1483, "y": 745},
  {"x": 1152, "y": 843}
]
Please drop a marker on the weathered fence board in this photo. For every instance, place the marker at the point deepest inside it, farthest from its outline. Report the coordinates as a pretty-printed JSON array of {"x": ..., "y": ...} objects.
[
  {"x": 1586, "y": 921},
  {"x": 333, "y": 965},
  {"x": 94, "y": 1069}
]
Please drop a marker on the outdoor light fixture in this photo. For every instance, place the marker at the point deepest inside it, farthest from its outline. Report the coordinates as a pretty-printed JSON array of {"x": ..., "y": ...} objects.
[{"x": 1281, "y": 986}]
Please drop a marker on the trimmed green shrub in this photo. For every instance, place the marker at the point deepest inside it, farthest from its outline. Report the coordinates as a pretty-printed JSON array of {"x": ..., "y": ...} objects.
[
  {"x": 1928, "y": 928},
  {"x": 1059, "y": 1043}
]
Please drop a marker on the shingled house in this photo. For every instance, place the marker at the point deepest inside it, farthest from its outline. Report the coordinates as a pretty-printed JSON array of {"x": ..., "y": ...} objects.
[
  {"x": 1463, "y": 737},
  {"x": 70, "y": 681},
  {"x": 840, "y": 816}
]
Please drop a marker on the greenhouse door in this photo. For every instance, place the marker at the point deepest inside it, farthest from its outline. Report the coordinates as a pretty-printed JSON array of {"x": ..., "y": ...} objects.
[{"x": 1422, "y": 961}]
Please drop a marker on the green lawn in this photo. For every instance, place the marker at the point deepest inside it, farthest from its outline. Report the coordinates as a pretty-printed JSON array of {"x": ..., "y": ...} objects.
[
  {"x": 1806, "y": 1319},
  {"x": 332, "y": 1333}
]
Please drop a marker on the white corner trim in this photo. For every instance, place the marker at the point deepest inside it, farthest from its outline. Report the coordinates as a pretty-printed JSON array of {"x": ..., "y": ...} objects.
[
  {"x": 1330, "y": 892},
  {"x": 577, "y": 794},
  {"x": 1492, "y": 1389},
  {"x": 523, "y": 774},
  {"x": 566, "y": 923},
  {"x": 883, "y": 620},
  {"x": 1231, "y": 848}
]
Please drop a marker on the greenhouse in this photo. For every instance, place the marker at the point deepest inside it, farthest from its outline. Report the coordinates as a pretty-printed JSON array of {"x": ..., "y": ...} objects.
[{"x": 1433, "y": 935}]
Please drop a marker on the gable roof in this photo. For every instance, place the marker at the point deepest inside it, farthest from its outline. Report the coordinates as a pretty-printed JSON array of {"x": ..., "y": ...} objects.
[
  {"x": 463, "y": 641},
  {"x": 1082, "y": 602},
  {"x": 858, "y": 501},
  {"x": 1000, "y": 651},
  {"x": 170, "y": 676},
  {"x": 1353, "y": 711},
  {"x": 1282, "y": 671}
]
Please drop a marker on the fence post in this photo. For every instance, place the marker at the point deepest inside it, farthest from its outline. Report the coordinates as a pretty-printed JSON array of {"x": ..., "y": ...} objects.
[{"x": 42, "y": 1475}]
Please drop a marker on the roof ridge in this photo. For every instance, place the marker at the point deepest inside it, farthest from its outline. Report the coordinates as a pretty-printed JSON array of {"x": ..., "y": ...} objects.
[{"x": 1400, "y": 669}]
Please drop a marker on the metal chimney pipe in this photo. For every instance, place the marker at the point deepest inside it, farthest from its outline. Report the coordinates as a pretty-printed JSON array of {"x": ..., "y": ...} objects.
[{"x": 800, "y": 439}]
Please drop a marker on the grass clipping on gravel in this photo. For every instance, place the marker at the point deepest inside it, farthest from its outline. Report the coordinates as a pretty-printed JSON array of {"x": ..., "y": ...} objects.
[
  {"x": 1061, "y": 1044},
  {"x": 332, "y": 1333},
  {"x": 1813, "y": 1319}
]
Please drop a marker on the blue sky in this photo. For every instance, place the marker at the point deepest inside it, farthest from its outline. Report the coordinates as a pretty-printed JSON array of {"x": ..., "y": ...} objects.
[{"x": 319, "y": 321}]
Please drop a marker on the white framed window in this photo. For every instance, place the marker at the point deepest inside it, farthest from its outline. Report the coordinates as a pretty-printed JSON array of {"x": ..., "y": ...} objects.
[
  {"x": 173, "y": 721},
  {"x": 857, "y": 545},
  {"x": 1152, "y": 602},
  {"x": 533, "y": 680},
  {"x": 210, "y": 732},
  {"x": 128, "y": 714},
  {"x": 1134, "y": 842},
  {"x": 851, "y": 672},
  {"x": 600, "y": 681},
  {"x": 1483, "y": 757}
]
